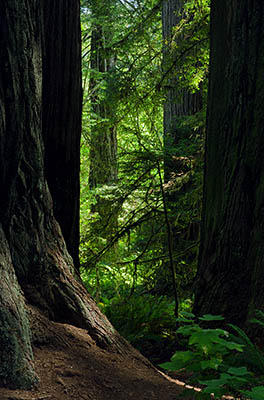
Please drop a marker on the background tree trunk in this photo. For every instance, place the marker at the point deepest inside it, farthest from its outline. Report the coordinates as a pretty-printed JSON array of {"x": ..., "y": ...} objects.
[
  {"x": 231, "y": 273},
  {"x": 103, "y": 138},
  {"x": 179, "y": 104}
]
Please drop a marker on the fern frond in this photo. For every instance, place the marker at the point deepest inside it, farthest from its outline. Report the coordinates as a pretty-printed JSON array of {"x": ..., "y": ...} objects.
[
  {"x": 260, "y": 318},
  {"x": 255, "y": 356}
]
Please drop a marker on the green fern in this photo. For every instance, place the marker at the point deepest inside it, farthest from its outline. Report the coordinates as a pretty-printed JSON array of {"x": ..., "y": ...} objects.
[
  {"x": 260, "y": 318},
  {"x": 253, "y": 354}
]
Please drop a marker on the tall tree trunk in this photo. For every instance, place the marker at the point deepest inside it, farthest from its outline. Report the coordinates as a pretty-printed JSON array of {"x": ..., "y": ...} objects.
[
  {"x": 231, "y": 273},
  {"x": 20, "y": 100},
  {"x": 61, "y": 111},
  {"x": 33, "y": 255},
  {"x": 170, "y": 18},
  {"x": 103, "y": 138},
  {"x": 179, "y": 104}
]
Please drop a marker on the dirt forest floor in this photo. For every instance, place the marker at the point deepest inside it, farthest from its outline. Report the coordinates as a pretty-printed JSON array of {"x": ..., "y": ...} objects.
[{"x": 71, "y": 367}]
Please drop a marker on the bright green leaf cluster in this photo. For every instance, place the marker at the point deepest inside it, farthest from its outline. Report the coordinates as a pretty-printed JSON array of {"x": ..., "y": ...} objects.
[{"x": 213, "y": 357}]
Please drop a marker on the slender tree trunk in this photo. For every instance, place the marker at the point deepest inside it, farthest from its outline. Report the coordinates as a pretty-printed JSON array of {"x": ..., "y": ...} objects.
[
  {"x": 230, "y": 274},
  {"x": 170, "y": 18},
  {"x": 34, "y": 261},
  {"x": 103, "y": 138},
  {"x": 103, "y": 146},
  {"x": 179, "y": 104}
]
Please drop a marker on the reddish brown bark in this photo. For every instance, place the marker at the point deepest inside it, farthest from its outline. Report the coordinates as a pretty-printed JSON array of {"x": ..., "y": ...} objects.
[
  {"x": 34, "y": 261},
  {"x": 230, "y": 272},
  {"x": 61, "y": 114}
]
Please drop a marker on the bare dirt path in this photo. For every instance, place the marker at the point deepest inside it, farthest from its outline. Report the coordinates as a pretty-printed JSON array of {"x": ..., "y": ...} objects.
[{"x": 71, "y": 367}]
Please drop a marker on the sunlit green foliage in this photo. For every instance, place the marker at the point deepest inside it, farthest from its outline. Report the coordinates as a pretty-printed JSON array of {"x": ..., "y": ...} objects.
[
  {"x": 191, "y": 43},
  {"x": 146, "y": 320},
  {"x": 135, "y": 259}
]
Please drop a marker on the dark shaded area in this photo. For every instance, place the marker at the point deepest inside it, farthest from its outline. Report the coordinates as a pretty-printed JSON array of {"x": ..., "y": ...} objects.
[
  {"x": 230, "y": 272},
  {"x": 61, "y": 114}
]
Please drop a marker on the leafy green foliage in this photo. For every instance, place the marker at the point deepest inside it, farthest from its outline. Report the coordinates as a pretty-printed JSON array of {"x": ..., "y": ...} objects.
[
  {"x": 147, "y": 321},
  {"x": 134, "y": 91},
  {"x": 233, "y": 380},
  {"x": 134, "y": 260},
  {"x": 191, "y": 42},
  {"x": 142, "y": 318},
  {"x": 256, "y": 393},
  {"x": 211, "y": 358}
]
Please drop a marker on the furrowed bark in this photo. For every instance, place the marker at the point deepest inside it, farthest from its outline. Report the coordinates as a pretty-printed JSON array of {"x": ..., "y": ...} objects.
[{"x": 230, "y": 268}]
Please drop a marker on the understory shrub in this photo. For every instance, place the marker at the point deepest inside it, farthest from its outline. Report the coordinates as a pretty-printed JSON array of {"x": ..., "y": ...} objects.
[
  {"x": 146, "y": 321},
  {"x": 215, "y": 358}
]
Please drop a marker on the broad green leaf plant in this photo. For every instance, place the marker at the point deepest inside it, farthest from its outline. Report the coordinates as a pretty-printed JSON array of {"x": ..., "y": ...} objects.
[{"x": 213, "y": 356}]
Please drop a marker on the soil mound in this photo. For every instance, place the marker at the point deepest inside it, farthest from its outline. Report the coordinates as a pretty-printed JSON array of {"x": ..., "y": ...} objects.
[{"x": 71, "y": 366}]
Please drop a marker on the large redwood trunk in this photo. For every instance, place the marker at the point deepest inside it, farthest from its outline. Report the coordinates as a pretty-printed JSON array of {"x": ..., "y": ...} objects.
[
  {"x": 20, "y": 101},
  {"x": 16, "y": 358},
  {"x": 231, "y": 273},
  {"x": 34, "y": 261},
  {"x": 61, "y": 114}
]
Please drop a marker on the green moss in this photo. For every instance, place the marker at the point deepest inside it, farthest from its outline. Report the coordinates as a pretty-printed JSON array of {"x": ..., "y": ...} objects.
[{"x": 16, "y": 359}]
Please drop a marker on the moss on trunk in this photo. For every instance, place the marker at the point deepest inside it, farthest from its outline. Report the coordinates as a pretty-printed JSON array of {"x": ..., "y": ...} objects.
[{"x": 16, "y": 358}]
